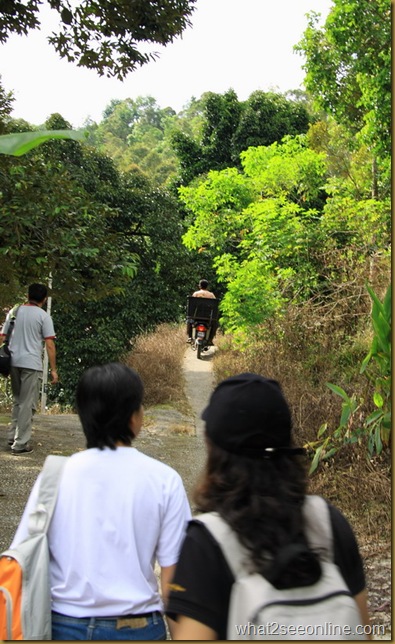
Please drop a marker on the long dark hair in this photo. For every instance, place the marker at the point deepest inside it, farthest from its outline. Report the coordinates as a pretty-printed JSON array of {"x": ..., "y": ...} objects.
[
  {"x": 261, "y": 500},
  {"x": 107, "y": 396}
]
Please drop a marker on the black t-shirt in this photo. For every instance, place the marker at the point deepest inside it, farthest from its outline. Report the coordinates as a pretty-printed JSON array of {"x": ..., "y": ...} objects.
[{"x": 203, "y": 580}]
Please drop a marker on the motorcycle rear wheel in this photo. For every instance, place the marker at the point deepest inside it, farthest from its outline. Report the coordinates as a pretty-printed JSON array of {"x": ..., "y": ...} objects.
[{"x": 199, "y": 351}]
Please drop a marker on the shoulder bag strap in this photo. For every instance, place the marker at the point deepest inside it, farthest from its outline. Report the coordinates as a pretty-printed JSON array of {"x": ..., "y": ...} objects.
[
  {"x": 40, "y": 518},
  {"x": 11, "y": 325}
]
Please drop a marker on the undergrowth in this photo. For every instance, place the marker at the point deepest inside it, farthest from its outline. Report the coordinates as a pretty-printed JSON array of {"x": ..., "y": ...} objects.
[
  {"x": 5, "y": 395},
  {"x": 304, "y": 354},
  {"x": 158, "y": 358}
]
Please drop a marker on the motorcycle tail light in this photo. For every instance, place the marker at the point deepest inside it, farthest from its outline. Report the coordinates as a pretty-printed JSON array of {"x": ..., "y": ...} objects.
[{"x": 201, "y": 327}]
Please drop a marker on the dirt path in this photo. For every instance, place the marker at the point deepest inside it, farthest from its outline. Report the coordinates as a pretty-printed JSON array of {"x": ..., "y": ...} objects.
[{"x": 198, "y": 383}]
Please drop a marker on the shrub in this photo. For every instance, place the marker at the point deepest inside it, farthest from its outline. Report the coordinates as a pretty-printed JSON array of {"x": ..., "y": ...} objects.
[{"x": 158, "y": 358}]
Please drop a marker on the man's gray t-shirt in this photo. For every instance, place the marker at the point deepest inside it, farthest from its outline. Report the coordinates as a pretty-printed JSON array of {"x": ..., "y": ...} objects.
[{"x": 32, "y": 326}]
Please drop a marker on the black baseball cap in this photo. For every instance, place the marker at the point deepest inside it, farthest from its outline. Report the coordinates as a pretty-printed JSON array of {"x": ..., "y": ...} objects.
[{"x": 248, "y": 415}]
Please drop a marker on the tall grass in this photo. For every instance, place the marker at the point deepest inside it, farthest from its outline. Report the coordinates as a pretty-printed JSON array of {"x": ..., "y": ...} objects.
[
  {"x": 158, "y": 358},
  {"x": 303, "y": 352}
]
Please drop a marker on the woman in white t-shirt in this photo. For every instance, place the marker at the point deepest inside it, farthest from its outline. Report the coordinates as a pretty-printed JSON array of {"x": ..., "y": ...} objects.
[{"x": 117, "y": 512}]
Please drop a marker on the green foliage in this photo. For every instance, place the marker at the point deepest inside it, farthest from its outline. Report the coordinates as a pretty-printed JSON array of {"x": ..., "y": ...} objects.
[
  {"x": 258, "y": 227},
  {"x": 102, "y": 36},
  {"x": 217, "y": 204},
  {"x": 135, "y": 133},
  {"x": 208, "y": 134},
  {"x": 22, "y": 142},
  {"x": 364, "y": 225},
  {"x": 348, "y": 65},
  {"x": 93, "y": 332},
  {"x": 267, "y": 117},
  {"x": 6, "y": 101},
  {"x": 58, "y": 215},
  {"x": 230, "y": 127},
  {"x": 288, "y": 169},
  {"x": 222, "y": 114},
  {"x": 352, "y": 168},
  {"x": 375, "y": 427}
]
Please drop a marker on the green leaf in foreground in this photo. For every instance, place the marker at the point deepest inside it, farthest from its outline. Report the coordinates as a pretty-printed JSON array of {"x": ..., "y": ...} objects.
[{"x": 19, "y": 143}]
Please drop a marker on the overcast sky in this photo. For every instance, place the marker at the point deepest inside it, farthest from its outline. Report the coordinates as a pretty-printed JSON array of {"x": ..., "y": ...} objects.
[{"x": 241, "y": 44}]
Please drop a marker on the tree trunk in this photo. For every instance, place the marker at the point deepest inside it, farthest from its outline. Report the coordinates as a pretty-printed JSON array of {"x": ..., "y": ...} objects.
[{"x": 375, "y": 192}]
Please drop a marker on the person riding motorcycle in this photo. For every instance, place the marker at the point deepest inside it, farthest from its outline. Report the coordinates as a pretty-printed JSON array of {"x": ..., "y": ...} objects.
[{"x": 203, "y": 292}]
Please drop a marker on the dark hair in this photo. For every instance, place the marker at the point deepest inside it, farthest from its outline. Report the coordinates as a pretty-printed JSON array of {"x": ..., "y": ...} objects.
[
  {"x": 203, "y": 284},
  {"x": 37, "y": 292},
  {"x": 261, "y": 500},
  {"x": 106, "y": 398}
]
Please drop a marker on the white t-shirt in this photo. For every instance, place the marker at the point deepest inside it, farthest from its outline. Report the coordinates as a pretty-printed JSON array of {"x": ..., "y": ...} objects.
[{"x": 117, "y": 512}]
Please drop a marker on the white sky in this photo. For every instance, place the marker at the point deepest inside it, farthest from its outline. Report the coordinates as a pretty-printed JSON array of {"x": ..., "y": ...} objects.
[{"x": 241, "y": 44}]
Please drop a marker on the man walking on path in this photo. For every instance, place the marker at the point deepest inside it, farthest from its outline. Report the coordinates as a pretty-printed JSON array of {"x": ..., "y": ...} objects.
[{"x": 32, "y": 327}]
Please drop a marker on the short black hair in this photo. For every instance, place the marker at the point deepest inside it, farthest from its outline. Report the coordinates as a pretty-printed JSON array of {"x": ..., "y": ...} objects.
[
  {"x": 37, "y": 292},
  {"x": 107, "y": 396},
  {"x": 203, "y": 284}
]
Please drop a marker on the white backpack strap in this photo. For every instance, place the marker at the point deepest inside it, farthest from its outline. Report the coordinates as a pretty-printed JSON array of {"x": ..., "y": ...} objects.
[
  {"x": 318, "y": 527},
  {"x": 40, "y": 518},
  {"x": 318, "y": 531},
  {"x": 235, "y": 554}
]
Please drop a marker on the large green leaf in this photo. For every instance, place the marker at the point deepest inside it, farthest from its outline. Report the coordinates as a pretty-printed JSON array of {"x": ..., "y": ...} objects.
[
  {"x": 339, "y": 391},
  {"x": 21, "y": 142}
]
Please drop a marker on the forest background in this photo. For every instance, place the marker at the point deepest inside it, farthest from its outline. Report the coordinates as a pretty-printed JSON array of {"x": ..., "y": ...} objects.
[{"x": 281, "y": 201}]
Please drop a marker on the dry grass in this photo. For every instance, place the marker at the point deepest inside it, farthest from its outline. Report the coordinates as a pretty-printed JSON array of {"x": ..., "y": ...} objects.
[
  {"x": 362, "y": 491},
  {"x": 303, "y": 358},
  {"x": 5, "y": 395},
  {"x": 158, "y": 358}
]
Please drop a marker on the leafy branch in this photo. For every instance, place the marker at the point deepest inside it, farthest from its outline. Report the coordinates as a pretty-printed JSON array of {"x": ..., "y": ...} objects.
[{"x": 376, "y": 427}]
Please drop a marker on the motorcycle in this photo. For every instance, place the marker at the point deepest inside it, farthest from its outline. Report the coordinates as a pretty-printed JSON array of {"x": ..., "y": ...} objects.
[{"x": 200, "y": 336}]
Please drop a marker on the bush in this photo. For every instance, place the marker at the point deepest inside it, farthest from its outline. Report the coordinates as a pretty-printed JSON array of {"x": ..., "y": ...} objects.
[{"x": 158, "y": 358}]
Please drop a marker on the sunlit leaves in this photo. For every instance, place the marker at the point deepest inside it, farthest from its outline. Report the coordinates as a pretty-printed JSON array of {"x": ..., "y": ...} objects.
[
  {"x": 290, "y": 169},
  {"x": 217, "y": 205},
  {"x": 348, "y": 67},
  {"x": 259, "y": 228}
]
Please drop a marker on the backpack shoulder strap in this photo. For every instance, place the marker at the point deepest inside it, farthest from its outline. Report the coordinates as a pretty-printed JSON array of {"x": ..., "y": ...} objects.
[
  {"x": 40, "y": 518},
  {"x": 318, "y": 532},
  {"x": 318, "y": 527},
  {"x": 234, "y": 552}
]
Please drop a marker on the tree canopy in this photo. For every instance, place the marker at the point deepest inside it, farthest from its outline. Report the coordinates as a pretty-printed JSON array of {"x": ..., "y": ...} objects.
[
  {"x": 230, "y": 126},
  {"x": 348, "y": 67},
  {"x": 283, "y": 230},
  {"x": 105, "y": 35}
]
